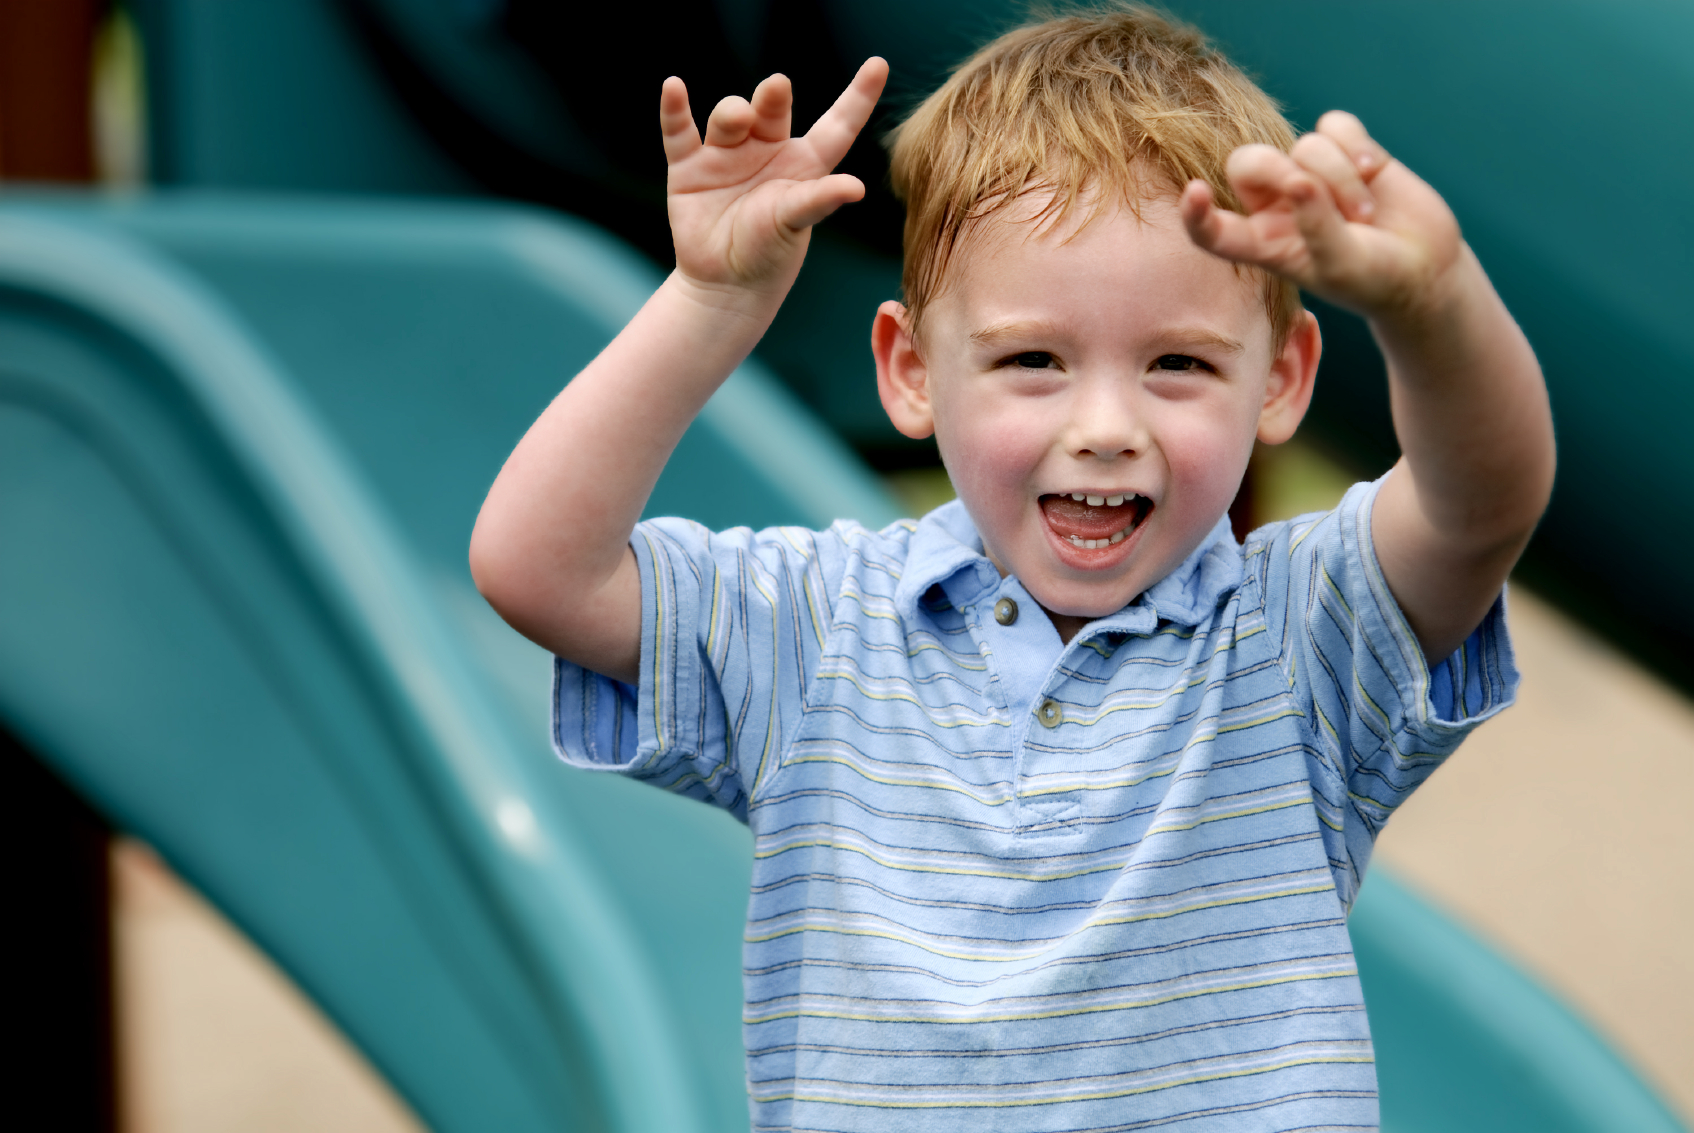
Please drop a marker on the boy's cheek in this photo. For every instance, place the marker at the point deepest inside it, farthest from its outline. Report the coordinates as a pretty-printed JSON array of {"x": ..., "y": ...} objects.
[
  {"x": 996, "y": 503},
  {"x": 1205, "y": 480},
  {"x": 1208, "y": 451},
  {"x": 989, "y": 446}
]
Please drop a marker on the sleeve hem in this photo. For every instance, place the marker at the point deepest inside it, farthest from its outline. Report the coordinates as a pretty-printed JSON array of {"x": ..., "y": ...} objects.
[
  {"x": 1483, "y": 670},
  {"x": 600, "y": 724}
]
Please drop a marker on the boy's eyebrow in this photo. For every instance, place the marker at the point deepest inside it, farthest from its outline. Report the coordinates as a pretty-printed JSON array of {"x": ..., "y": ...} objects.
[
  {"x": 1195, "y": 337},
  {"x": 1200, "y": 336},
  {"x": 999, "y": 332}
]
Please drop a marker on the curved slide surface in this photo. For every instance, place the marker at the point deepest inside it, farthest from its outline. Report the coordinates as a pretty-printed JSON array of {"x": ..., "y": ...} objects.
[{"x": 242, "y": 442}]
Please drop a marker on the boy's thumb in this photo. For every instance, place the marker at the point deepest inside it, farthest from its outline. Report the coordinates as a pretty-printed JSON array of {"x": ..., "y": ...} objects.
[{"x": 807, "y": 202}]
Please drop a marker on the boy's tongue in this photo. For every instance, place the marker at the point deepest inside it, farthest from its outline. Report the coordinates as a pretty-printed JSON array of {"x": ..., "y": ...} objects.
[{"x": 1068, "y": 517}]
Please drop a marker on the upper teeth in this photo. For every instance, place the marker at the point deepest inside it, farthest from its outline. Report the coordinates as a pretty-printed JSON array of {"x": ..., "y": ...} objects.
[{"x": 1096, "y": 501}]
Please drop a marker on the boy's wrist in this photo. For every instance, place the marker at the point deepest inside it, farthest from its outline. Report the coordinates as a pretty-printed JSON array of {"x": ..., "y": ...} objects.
[
  {"x": 757, "y": 306},
  {"x": 1437, "y": 310}
]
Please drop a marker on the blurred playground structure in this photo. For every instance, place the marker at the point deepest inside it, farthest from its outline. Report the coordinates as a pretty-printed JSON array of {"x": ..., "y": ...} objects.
[{"x": 247, "y": 414}]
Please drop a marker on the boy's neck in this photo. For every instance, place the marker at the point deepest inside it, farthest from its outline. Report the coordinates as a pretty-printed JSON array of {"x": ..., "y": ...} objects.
[{"x": 1068, "y": 625}]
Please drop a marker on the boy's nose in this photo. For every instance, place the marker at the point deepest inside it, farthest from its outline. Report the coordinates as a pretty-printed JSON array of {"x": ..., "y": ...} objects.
[{"x": 1105, "y": 425}]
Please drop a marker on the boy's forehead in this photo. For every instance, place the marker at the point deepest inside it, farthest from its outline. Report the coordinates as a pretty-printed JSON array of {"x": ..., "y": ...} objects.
[
  {"x": 1029, "y": 239},
  {"x": 1043, "y": 211}
]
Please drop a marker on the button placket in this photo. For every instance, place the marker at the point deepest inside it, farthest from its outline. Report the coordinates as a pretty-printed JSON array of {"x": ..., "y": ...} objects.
[
  {"x": 1020, "y": 651},
  {"x": 1049, "y": 816}
]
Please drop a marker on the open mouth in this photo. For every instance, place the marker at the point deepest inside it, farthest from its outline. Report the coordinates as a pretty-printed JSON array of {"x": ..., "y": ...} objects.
[{"x": 1093, "y": 522}]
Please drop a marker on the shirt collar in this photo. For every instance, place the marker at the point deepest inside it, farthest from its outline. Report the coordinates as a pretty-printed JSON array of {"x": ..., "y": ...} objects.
[{"x": 946, "y": 551}]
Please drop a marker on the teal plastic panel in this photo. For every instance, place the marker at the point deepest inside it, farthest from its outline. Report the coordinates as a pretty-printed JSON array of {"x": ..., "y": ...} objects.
[
  {"x": 444, "y": 329},
  {"x": 1465, "y": 1041},
  {"x": 214, "y": 625},
  {"x": 277, "y": 94},
  {"x": 241, "y": 446}
]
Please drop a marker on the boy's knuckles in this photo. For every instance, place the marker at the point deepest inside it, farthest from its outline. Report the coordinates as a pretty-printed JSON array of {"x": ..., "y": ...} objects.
[
  {"x": 1366, "y": 155},
  {"x": 1321, "y": 151},
  {"x": 1255, "y": 163},
  {"x": 1329, "y": 164},
  {"x": 1346, "y": 130},
  {"x": 730, "y": 119},
  {"x": 1340, "y": 120}
]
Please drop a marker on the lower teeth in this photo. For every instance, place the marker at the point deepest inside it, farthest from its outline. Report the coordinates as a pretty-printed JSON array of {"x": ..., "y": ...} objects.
[{"x": 1095, "y": 544}]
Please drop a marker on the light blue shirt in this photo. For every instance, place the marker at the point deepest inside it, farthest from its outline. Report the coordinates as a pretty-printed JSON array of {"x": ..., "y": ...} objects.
[{"x": 1005, "y": 883}]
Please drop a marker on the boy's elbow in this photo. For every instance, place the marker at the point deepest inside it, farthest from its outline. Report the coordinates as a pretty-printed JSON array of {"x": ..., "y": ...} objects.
[
  {"x": 1506, "y": 512},
  {"x": 1504, "y": 525},
  {"x": 492, "y": 570},
  {"x": 501, "y": 579},
  {"x": 589, "y": 614},
  {"x": 1536, "y": 492},
  {"x": 505, "y": 572}
]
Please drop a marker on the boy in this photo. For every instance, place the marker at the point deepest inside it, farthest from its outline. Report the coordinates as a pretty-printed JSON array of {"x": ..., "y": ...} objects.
[{"x": 1060, "y": 797}]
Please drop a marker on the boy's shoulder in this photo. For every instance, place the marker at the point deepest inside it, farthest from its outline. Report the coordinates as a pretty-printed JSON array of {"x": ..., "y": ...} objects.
[
  {"x": 1346, "y": 525},
  {"x": 823, "y": 563},
  {"x": 844, "y": 539}
]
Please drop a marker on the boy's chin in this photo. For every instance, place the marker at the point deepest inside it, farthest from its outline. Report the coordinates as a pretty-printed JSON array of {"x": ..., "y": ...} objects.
[{"x": 1085, "y": 600}]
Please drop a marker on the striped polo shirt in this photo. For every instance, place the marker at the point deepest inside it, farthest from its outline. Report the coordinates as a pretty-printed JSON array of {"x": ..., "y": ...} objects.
[{"x": 1004, "y": 883}]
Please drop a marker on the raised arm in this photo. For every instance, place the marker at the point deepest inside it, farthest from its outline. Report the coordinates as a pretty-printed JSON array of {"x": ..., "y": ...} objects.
[
  {"x": 550, "y": 551},
  {"x": 1344, "y": 220}
]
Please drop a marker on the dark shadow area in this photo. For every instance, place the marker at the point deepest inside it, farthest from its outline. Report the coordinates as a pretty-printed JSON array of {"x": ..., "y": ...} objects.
[{"x": 58, "y": 952}]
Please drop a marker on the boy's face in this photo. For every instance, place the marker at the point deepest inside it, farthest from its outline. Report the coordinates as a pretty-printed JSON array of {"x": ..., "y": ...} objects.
[{"x": 1122, "y": 362}]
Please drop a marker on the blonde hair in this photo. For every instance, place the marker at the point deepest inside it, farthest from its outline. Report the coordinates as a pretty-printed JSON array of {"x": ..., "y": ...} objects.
[{"x": 1116, "y": 103}]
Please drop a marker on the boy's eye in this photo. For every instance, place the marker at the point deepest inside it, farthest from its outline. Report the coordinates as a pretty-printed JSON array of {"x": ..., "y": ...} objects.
[
  {"x": 1179, "y": 362},
  {"x": 1033, "y": 360}
]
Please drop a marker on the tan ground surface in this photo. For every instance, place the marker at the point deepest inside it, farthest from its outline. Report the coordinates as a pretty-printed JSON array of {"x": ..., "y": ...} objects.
[
  {"x": 213, "y": 1037},
  {"x": 1560, "y": 833}
]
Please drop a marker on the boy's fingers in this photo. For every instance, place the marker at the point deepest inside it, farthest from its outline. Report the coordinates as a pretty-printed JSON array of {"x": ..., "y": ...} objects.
[
  {"x": 1195, "y": 205},
  {"x": 1347, "y": 132},
  {"x": 1257, "y": 173},
  {"x": 1320, "y": 222},
  {"x": 731, "y": 120},
  {"x": 1326, "y": 161},
  {"x": 1218, "y": 231},
  {"x": 773, "y": 107},
  {"x": 808, "y": 202},
  {"x": 832, "y": 135},
  {"x": 676, "y": 122}
]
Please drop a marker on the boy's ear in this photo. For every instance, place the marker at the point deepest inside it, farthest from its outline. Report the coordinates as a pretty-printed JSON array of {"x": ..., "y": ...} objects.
[
  {"x": 1293, "y": 375},
  {"x": 902, "y": 380}
]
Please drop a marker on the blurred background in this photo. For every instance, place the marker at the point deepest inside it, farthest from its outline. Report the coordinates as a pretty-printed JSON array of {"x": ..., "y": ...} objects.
[{"x": 282, "y": 280}]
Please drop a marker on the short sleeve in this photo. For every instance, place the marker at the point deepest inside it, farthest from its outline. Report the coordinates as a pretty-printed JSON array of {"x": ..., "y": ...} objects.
[
  {"x": 1380, "y": 718},
  {"x": 732, "y": 626}
]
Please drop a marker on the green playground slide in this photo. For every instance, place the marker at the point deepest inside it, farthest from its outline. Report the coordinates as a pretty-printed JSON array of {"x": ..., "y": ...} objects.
[
  {"x": 242, "y": 442},
  {"x": 241, "y": 447}
]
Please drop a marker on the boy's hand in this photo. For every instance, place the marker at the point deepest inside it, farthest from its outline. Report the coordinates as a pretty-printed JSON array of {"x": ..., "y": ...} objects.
[
  {"x": 551, "y": 547},
  {"x": 1338, "y": 216},
  {"x": 1342, "y": 219},
  {"x": 743, "y": 201}
]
